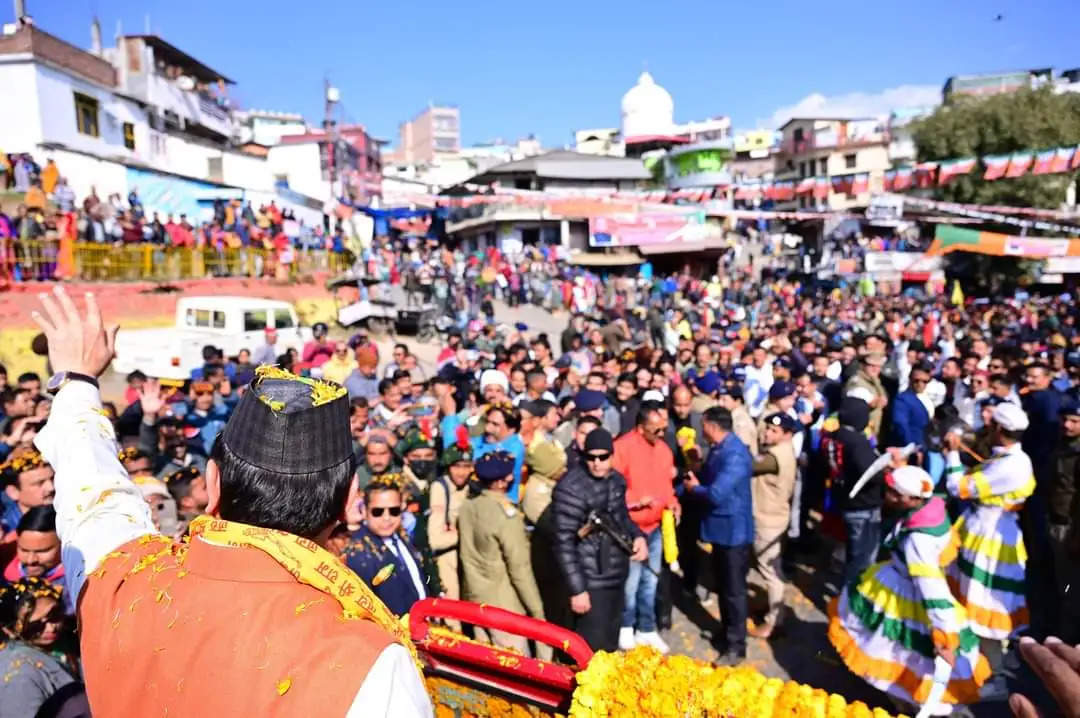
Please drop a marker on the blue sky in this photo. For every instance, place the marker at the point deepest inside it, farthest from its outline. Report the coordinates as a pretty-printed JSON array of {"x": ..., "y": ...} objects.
[{"x": 549, "y": 68}]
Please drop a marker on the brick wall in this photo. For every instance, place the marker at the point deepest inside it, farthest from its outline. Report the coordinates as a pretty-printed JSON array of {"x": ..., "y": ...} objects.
[{"x": 52, "y": 49}]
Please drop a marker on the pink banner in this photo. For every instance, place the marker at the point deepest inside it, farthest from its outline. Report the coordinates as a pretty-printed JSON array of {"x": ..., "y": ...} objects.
[{"x": 631, "y": 230}]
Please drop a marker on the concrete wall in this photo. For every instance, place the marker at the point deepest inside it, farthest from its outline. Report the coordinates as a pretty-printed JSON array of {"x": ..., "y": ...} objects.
[
  {"x": 56, "y": 99},
  {"x": 20, "y": 121},
  {"x": 299, "y": 163},
  {"x": 84, "y": 172}
]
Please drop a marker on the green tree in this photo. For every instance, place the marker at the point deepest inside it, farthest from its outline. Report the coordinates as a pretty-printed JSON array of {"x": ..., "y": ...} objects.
[{"x": 1000, "y": 124}]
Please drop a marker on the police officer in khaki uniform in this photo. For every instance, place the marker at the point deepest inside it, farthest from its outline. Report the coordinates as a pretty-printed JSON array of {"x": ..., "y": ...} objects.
[
  {"x": 446, "y": 497},
  {"x": 771, "y": 488},
  {"x": 547, "y": 464},
  {"x": 494, "y": 550}
]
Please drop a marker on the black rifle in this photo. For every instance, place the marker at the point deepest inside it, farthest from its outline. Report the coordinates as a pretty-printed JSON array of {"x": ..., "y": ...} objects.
[{"x": 601, "y": 521}]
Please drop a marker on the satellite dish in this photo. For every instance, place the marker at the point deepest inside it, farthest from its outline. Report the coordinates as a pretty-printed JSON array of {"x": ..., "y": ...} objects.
[
  {"x": 186, "y": 83},
  {"x": 333, "y": 94}
]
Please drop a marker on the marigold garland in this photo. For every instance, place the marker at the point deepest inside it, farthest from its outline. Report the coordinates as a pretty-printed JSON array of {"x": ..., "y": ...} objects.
[{"x": 644, "y": 683}]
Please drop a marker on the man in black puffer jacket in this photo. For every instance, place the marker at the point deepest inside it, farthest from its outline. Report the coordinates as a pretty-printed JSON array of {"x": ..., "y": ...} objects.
[{"x": 593, "y": 565}]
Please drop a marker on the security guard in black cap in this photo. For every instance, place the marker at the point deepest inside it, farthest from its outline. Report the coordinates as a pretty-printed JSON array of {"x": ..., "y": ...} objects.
[{"x": 494, "y": 550}]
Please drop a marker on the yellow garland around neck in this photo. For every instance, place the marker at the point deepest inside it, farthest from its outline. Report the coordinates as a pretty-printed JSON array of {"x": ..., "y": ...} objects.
[{"x": 310, "y": 564}]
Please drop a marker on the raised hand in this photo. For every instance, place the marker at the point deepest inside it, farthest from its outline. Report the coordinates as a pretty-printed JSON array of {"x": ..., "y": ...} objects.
[
  {"x": 76, "y": 343},
  {"x": 150, "y": 398}
]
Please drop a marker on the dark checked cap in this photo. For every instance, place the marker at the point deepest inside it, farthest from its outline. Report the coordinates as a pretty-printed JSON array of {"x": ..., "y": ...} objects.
[{"x": 290, "y": 424}]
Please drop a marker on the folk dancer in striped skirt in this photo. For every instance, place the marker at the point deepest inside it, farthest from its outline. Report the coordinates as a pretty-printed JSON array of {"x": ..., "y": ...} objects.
[
  {"x": 988, "y": 575},
  {"x": 891, "y": 625}
]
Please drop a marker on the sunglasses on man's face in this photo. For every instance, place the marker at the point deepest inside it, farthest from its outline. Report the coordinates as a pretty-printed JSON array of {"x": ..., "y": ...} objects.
[
  {"x": 377, "y": 511},
  {"x": 598, "y": 457}
]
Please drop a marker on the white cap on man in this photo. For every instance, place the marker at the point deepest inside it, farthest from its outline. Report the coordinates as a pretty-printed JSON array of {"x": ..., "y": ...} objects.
[
  {"x": 1009, "y": 417},
  {"x": 911, "y": 481},
  {"x": 494, "y": 376}
]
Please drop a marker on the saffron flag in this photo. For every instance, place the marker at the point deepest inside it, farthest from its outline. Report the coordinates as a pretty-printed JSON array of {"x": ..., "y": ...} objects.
[
  {"x": 1075, "y": 164},
  {"x": 996, "y": 165},
  {"x": 954, "y": 168},
  {"x": 1043, "y": 162},
  {"x": 890, "y": 176},
  {"x": 1062, "y": 157},
  {"x": 1019, "y": 164},
  {"x": 860, "y": 183},
  {"x": 841, "y": 184},
  {"x": 805, "y": 186},
  {"x": 903, "y": 179},
  {"x": 785, "y": 190},
  {"x": 924, "y": 174}
]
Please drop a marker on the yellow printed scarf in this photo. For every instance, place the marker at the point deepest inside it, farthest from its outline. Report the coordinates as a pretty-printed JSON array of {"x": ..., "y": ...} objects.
[{"x": 309, "y": 564}]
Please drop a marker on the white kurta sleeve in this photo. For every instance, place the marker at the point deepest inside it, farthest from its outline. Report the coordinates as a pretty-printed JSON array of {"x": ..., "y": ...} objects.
[
  {"x": 393, "y": 688},
  {"x": 98, "y": 508}
]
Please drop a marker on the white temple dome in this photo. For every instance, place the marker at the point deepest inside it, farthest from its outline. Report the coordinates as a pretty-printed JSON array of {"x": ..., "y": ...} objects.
[{"x": 647, "y": 109}]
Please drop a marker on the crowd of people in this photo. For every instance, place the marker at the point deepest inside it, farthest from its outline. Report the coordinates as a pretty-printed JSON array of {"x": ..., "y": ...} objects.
[
  {"x": 934, "y": 444},
  {"x": 37, "y": 240}
]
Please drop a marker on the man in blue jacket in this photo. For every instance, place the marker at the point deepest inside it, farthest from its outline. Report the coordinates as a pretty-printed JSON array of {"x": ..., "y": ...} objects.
[
  {"x": 380, "y": 552},
  {"x": 724, "y": 488},
  {"x": 912, "y": 410}
]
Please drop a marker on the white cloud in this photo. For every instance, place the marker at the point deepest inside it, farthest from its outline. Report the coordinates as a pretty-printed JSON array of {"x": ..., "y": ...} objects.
[{"x": 859, "y": 104}]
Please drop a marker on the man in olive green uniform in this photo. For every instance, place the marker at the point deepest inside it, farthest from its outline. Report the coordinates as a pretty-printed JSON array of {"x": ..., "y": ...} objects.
[
  {"x": 772, "y": 487},
  {"x": 547, "y": 464},
  {"x": 869, "y": 378},
  {"x": 494, "y": 550},
  {"x": 445, "y": 498}
]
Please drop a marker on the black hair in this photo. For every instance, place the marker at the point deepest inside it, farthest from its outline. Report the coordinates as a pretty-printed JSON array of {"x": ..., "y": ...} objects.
[
  {"x": 1000, "y": 378},
  {"x": 210, "y": 370},
  {"x": 376, "y": 486},
  {"x": 402, "y": 347},
  {"x": 3, "y": 370},
  {"x": 589, "y": 419},
  {"x": 27, "y": 376},
  {"x": 358, "y": 402},
  {"x": 735, "y": 391},
  {"x": 209, "y": 353},
  {"x": 511, "y": 415},
  {"x": 386, "y": 384},
  {"x": 39, "y": 518},
  {"x": 399, "y": 375},
  {"x": 718, "y": 415},
  {"x": 179, "y": 482},
  {"x": 301, "y": 504},
  {"x": 628, "y": 377},
  {"x": 136, "y": 376}
]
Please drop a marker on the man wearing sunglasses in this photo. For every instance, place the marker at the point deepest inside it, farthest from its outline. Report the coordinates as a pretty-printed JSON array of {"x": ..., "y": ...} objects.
[
  {"x": 381, "y": 553},
  {"x": 590, "y": 560}
]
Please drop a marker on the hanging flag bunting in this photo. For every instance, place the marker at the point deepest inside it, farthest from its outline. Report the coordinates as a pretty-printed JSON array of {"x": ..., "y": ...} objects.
[
  {"x": 996, "y": 166},
  {"x": 1019, "y": 164},
  {"x": 805, "y": 186},
  {"x": 903, "y": 178},
  {"x": 841, "y": 184},
  {"x": 954, "y": 168},
  {"x": 860, "y": 183},
  {"x": 821, "y": 187},
  {"x": 785, "y": 191},
  {"x": 890, "y": 178},
  {"x": 1044, "y": 162},
  {"x": 1062, "y": 157},
  {"x": 924, "y": 174}
]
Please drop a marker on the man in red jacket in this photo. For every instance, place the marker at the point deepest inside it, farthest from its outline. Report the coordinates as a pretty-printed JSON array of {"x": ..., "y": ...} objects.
[{"x": 645, "y": 460}]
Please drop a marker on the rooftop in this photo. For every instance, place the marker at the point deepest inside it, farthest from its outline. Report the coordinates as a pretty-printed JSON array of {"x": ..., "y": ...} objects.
[
  {"x": 564, "y": 164},
  {"x": 826, "y": 119},
  {"x": 164, "y": 50}
]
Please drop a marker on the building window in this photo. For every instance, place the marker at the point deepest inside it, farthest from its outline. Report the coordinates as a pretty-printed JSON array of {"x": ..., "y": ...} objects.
[
  {"x": 824, "y": 166},
  {"x": 129, "y": 135},
  {"x": 797, "y": 135},
  {"x": 444, "y": 123},
  {"x": 445, "y": 143},
  {"x": 86, "y": 114},
  {"x": 802, "y": 169},
  {"x": 849, "y": 161}
]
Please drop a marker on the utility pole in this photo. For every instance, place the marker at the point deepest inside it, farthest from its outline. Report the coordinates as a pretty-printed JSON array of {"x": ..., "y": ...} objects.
[{"x": 332, "y": 97}]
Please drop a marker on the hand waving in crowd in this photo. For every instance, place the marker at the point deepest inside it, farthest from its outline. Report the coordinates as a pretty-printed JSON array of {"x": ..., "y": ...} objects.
[{"x": 76, "y": 344}]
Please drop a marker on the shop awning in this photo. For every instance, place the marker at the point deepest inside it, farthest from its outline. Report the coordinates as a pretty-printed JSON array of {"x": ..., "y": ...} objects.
[
  {"x": 600, "y": 259},
  {"x": 673, "y": 247}
]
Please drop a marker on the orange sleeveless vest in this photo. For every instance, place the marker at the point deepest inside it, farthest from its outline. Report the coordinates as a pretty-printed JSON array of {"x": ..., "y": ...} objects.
[{"x": 226, "y": 632}]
